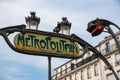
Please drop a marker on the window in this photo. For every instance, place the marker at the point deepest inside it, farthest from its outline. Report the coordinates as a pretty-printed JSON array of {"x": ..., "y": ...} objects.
[
  {"x": 70, "y": 77},
  {"x": 76, "y": 76},
  {"x": 118, "y": 39},
  {"x": 65, "y": 79},
  {"x": 60, "y": 71},
  {"x": 66, "y": 68},
  {"x": 82, "y": 75},
  {"x": 117, "y": 59},
  {"x": 103, "y": 51},
  {"x": 72, "y": 66},
  {"x": 113, "y": 46},
  {"x": 96, "y": 70},
  {"x": 111, "y": 77},
  {"x": 107, "y": 47},
  {"x": 56, "y": 71},
  {"x": 89, "y": 72}
]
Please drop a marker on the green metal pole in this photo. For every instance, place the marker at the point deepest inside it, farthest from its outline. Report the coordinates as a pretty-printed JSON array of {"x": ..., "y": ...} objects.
[{"x": 49, "y": 68}]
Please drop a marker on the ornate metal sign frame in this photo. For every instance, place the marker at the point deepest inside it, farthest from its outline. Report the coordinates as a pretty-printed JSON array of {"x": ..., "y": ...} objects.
[{"x": 74, "y": 38}]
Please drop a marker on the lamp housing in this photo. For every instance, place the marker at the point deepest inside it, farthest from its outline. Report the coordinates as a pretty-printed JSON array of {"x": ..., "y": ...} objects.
[
  {"x": 63, "y": 27},
  {"x": 32, "y": 21}
]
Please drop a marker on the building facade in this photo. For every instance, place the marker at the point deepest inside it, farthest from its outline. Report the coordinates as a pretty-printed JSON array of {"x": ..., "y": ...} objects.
[{"x": 90, "y": 66}]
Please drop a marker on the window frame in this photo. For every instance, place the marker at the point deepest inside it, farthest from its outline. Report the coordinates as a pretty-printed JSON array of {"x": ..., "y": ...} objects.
[
  {"x": 89, "y": 75},
  {"x": 96, "y": 70}
]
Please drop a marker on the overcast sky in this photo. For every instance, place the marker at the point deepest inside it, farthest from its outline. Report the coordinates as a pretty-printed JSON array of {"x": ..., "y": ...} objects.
[{"x": 15, "y": 66}]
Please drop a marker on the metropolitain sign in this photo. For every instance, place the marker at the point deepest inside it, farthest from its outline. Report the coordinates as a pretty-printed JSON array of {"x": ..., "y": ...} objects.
[{"x": 46, "y": 44}]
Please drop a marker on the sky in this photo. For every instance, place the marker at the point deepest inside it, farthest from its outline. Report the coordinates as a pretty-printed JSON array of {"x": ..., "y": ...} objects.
[{"x": 16, "y": 66}]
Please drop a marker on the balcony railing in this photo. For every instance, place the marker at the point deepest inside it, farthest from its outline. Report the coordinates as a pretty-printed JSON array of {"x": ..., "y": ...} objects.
[
  {"x": 86, "y": 60},
  {"x": 63, "y": 72}
]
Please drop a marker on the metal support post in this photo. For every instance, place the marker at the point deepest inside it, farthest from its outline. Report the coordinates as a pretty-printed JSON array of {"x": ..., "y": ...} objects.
[{"x": 49, "y": 68}]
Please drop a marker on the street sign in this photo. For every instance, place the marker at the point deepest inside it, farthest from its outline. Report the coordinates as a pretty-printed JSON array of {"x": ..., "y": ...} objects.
[{"x": 46, "y": 44}]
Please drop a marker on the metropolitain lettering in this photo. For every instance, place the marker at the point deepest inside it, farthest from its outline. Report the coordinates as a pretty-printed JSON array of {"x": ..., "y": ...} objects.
[{"x": 47, "y": 43}]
